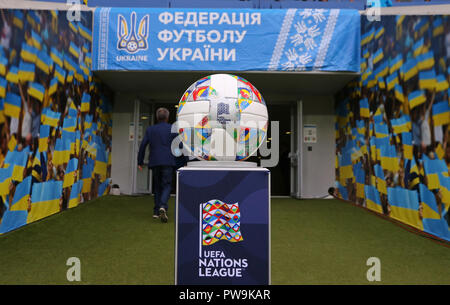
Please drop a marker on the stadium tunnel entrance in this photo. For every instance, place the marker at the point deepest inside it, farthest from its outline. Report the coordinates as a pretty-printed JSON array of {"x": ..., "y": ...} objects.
[{"x": 305, "y": 169}]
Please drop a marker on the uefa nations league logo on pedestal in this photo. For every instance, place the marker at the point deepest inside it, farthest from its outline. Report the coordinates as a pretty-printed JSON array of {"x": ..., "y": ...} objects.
[{"x": 130, "y": 38}]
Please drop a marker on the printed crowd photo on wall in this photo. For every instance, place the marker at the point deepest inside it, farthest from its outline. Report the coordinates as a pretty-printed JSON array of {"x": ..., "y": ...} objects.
[
  {"x": 392, "y": 123},
  {"x": 55, "y": 117}
]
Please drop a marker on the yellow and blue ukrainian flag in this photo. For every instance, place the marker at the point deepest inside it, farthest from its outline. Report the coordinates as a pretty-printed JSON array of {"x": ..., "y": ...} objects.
[
  {"x": 389, "y": 159},
  {"x": 381, "y": 183},
  {"x": 101, "y": 162},
  {"x": 85, "y": 32},
  {"x": 26, "y": 72},
  {"x": 441, "y": 83},
  {"x": 407, "y": 145},
  {"x": 71, "y": 169},
  {"x": 56, "y": 56},
  {"x": 418, "y": 47},
  {"x": 364, "y": 108},
  {"x": 61, "y": 154},
  {"x": 438, "y": 26},
  {"x": 53, "y": 86},
  {"x": 13, "y": 75},
  {"x": 432, "y": 169},
  {"x": 74, "y": 50},
  {"x": 18, "y": 19},
  {"x": 441, "y": 113},
  {"x": 405, "y": 206},
  {"x": 368, "y": 36},
  {"x": 50, "y": 117},
  {"x": 381, "y": 130},
  {"x": 425, "y": 61},
  {"x": 416, "y": 98},
  {"x": 433, "y": 222},
  {"x": 28, "y": 53},
  {"x": 395, "y": 63},
  {"x": 37, "y": 91},
  {"x": 379, "y": 55},
  {"x": 409, "y": 69},
  {"x": 75, "y": 192},
  {"x": 36, "y": 40},
  {"x": 21, "y": 196},
  {"x": 45, "y": 198},
  {"x": 86, "y": 175},
  {"x": 5, "y": 179},
  {"x": 427, "y": 79},
  {"x": 401, "y": 125},
  {"x": 398, "y": 92},
  {"x": 60, "y": 74},
  {"x": 70, "y": 124},
  {"x": 391, "y": 81},
  {"x": 85, "y": 102},
  {"x": 373, "y": 201},
  {"x": 44, "y": 62},
  {"x": 3, "y": 85},
  {"x": 3, "y": 65},
  {"x": 12, "y": 105}
]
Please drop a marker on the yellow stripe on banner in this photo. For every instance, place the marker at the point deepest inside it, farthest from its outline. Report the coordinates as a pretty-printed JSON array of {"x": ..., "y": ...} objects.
[
  {"x": 17, "y": 174},
  {"x": 346, "y": 171},
  {"x": 21, "y": 205},
  {"x": 445, "y": 197},
  {"x": 408, "y": 152},
  {"x": 74, "y": 202},
  {"x": 100, "y": 168},
  {"x": 11, "y": 110},
  {"x": 84, "y": 107},
  {"x": 440, "y": 151},
  {"x": 43, "y": 209},
  {"x": 441, "y": 119},
  {"x": 51, "y": 121},
  {"x": 43, "y": 144},
  {"x": 4, "y": 187},
  {"x": 373, "y": 206},
  {"x": 69, "y": 179},
  {"x": 359, "y": 190},
  {"x": 381, "y": 186},
  {"x": 408, "y": 216},
  {"x": 427, "y": 83},
  {"x": 428, "y": 212},
  {"x": 364, "y": 112},
  {"x": 12, "y": 143},
  {"x": 86, "y": 185},
  {"x": 433, "y": 181}
]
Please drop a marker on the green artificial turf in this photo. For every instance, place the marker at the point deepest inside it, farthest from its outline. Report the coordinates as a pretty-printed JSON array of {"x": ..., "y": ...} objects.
[{"x": 313, "y": 242}]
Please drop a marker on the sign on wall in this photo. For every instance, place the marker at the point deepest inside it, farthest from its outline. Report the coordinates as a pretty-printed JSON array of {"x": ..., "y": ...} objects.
[
  {"x": 309, "y": 133},
  {"x": 223, "y": 227},
  {"x": 226, "y": 39}
]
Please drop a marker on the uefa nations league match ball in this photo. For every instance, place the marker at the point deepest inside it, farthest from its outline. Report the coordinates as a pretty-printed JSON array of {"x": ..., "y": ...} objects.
[{"x": 222, "y": 117}]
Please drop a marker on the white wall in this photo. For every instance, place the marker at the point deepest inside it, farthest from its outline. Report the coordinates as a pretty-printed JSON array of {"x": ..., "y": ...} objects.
[
  {"x": 121, "y": 170},
  {"x": 318, "y": 164}
]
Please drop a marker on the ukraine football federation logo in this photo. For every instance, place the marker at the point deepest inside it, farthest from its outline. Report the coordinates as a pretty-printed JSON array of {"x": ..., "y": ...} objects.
[
  {"x": 132, "y": 39},
  {"x": 220, "y": 221}
]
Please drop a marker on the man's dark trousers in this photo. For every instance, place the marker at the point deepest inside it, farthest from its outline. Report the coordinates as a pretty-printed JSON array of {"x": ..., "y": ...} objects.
[{"x": 162, "y": 177}]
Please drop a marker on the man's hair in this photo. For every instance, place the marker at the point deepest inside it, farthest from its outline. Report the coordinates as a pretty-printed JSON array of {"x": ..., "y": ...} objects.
[{"x": 162, "y": 114}]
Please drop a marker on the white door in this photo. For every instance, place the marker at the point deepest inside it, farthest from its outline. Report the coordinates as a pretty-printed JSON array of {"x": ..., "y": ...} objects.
[{"x": 143, "y": 117}]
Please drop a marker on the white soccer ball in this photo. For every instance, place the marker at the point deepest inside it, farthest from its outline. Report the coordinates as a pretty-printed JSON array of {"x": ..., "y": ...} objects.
[{"x": 222, "y": 117}]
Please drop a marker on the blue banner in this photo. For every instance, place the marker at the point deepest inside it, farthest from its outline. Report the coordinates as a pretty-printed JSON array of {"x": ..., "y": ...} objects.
[
  {"x": 222, "y": 231},
  {"x": 226, "y": 39}
]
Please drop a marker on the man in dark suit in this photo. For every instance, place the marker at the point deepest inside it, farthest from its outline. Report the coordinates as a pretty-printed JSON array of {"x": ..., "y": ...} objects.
[{"x": 161, "y": 160}]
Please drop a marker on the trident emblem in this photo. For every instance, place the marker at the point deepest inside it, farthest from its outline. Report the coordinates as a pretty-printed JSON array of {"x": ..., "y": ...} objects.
[{"x": 134, "y": 40}]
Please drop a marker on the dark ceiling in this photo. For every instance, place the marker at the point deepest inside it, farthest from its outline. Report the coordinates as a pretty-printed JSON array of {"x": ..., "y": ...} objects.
[{"x": 275, "y": 87}]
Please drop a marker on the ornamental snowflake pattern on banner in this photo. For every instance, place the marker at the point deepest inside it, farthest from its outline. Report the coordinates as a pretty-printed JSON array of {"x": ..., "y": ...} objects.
[
  {"x": 308, "y": 33},
  {"x": 220, "y": 221}
]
